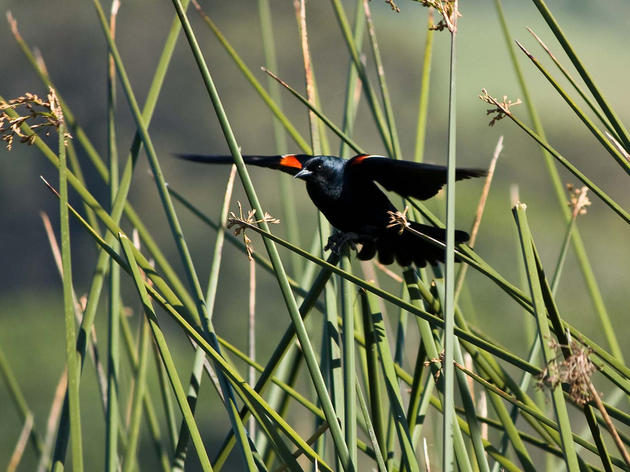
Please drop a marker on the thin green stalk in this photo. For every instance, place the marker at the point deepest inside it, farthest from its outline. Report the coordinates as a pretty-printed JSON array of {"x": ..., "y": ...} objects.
[
  {"x": 471, "y": 415},
  {"x": 366, "y": 416},
  {"x": 139, "y": 393},
  {"x": 449, "y": 272},
  {"x": 578, "y": 244},
  {"x": 174, "y": 224},
  {"x": 167, "y": 403},
  {"x": 286, "y": 387},
  {"x": 76, "y": 130},
  {"x": 70, "y": 328},
  {"x": 577, "y": 88},
  {"x": 423, "y": 104},
  {"x": 336, "y": 348},
  {"x": 319, "y": 142},
  {"x": 99, "y": 273},
  {"x": 262, "y": 261},
  {"x": 545, "y": 334},
  {"x": 380, "y": 69},
  {"x": 373, "y": 103},
  {"x": 414, "y": 286},
  {"x": 434, "y": 320},
  {"x": 493, "y": 372},
  {"x": 20, "y": 402},
  {"x": 101, "y": 168},
  {"x": 280, "y": 399},
  {"x": 113, "y": 328},
  {"x": 287, "y": 371},
  {"x": 286, "y": 189},
  {"x": 556, "y": 323},
  {"x": 605, "y": 142},
  {"x": 236, "y": 380},
  {"x": 568, "y": 165},
  {"x": 531, "y": 409},
  {"x": 267, "y": 98},
  {"x": 436, "y": 366},
  {"x": 165, "y": 354},
  {"x": 535, "y": 344},
  {"x": 314, "y": 109},
  {"x": 349, "y": 363},
  {"x": 353, "y": 86},
  {"x": 392, "y": 386},
  {"x": 278, "y": 353},
  {"x": 568, "y": 49},
  {"x": 373, "y": 379},
  {"x": 198, "y": 362},
  {"x": 147, "y": 402},
  {"x": 309, "y": 354}
]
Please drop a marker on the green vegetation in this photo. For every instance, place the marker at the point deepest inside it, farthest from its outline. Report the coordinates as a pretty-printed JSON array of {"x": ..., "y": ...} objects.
[{"x": 350, "y": 365}]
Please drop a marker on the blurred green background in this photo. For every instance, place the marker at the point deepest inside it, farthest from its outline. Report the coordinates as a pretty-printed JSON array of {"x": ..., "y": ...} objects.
[{"x": 72, "y": 45}]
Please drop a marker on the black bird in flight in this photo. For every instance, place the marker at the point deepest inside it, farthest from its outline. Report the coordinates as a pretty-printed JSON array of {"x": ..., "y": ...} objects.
[{"x": 346, "y": 192}]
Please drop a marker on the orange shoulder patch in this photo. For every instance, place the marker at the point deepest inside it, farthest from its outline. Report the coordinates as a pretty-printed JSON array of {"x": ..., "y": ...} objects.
[
  {"x": 289, "y": 160},
  {"x": 358, "y": 159}
]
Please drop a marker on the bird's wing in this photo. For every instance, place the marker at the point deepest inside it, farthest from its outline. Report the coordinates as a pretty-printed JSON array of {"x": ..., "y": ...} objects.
[
  {"x": 289, "y": 163},
  {"x": 408, "y": 179}
]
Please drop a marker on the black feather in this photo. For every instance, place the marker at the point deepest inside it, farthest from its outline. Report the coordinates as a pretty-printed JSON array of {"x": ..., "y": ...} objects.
[{"x": 408, "y": 179}]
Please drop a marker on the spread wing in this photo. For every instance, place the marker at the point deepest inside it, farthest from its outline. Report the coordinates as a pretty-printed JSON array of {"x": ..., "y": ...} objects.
[
  {"x": 289, "y": 163},
  {"x": 408, "y": 179}
]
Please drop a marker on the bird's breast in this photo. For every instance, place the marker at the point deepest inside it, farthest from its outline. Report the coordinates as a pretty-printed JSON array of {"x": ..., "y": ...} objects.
[{"x": 352, "y": 208}]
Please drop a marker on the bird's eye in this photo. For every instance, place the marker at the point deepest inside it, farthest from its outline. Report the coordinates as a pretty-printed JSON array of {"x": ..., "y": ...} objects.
[{"x": 318, "y": 167}]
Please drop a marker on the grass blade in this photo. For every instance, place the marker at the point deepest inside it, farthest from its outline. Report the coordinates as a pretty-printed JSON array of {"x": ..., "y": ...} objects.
[
  {"x": 423, "y": 105},
  {"x": 139, "y": 394},
  {"x": 617, "y": 155},
  {"x": 113, "y": 329},
  {"x": 70, "y": 328},
  {"x": 449, "y": 264},
  {"x": 267, "y": 98},
  {"x": 391, "y": 383},
  {"x": 574, "y": 84},
  {"x": 578, "y": 245},
  {"x": 373, "y": 103},
  {"x": 165, "y": 354},
  {"x": 309, "y": 353},
  {"x": 175, "y": 226},
  {"x": 544, "y": 333},
  {"x": 560, "y": 158},
  {"x": 568, "y": 49}
]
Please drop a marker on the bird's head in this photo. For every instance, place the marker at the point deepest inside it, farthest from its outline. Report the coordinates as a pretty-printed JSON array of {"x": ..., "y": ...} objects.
[{"x": 321, "y": 169}]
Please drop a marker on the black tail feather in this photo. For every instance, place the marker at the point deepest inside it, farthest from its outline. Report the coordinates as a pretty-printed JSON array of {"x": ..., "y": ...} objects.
[{"x": 410, "y": 248}]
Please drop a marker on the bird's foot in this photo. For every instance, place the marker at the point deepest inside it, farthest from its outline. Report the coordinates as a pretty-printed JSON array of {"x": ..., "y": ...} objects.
[{"x": 338, "y": 240}]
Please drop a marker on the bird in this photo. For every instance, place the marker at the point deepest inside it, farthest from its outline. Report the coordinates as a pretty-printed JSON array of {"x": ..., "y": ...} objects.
[{"x": 349, "y": 194}]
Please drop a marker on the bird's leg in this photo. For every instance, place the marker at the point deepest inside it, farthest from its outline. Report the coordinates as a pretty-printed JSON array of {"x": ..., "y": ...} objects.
[{"x": 338, "y": 239}]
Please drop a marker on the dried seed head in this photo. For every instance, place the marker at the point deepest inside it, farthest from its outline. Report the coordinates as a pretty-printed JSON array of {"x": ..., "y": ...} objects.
[
  {"x": 502, "y": 107},
  {"x": 578, "y": 200},
  {"x": 398, "y": 220},
  {"x": 575, "y": 370},
  {"x": 392, "y": 4},
  {"x": 243, "y": 222},
  {"x": 448, "y": 9},
  {"x": 30, "y": 110}
]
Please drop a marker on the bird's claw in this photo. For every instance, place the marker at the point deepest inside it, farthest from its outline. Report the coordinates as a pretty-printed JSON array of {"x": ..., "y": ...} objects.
[{"x": 338, "y": 240}]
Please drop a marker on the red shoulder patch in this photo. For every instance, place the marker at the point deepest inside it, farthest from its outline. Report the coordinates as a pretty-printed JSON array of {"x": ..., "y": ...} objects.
[
  {"x": 289, "y": 160},
  {"x": 358, "y": 159}
]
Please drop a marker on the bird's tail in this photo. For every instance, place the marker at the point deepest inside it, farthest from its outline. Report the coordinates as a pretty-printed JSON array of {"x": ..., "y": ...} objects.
[{"x": 409, "y": 247}]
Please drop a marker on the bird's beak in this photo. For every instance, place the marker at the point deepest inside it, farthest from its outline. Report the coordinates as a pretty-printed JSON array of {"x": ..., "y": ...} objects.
[{"x": 302, "y": 174}]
